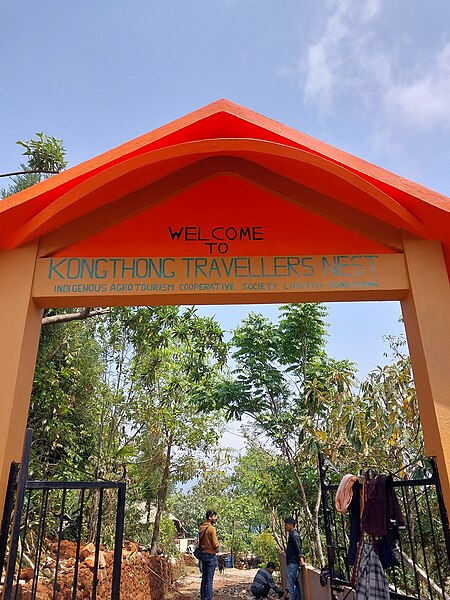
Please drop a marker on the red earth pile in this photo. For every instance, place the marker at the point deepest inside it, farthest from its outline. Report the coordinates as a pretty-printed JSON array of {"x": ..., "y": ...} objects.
[{"x": 144, "y": 577}]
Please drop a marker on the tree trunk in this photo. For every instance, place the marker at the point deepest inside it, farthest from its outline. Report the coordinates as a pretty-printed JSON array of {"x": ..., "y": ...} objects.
[
  {"x": 92, "y": 515},
  {"x": 232, "y": 541},
  {"x": 275, "y": 533},
  {"x": 311, "y": 519},
  {"x": 317, "y": 528},
  {"x": 162, "y": 497}
]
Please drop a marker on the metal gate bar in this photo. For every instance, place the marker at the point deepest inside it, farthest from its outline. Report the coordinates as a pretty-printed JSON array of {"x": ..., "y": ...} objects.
[
  {"x": 46, "y": 494},
  {"x": 423, "y": 551},
  {"x": 7, "y": 512}
]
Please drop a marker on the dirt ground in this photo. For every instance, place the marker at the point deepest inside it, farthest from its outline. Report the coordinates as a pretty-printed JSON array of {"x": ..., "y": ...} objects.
[{"x": 233, "y": 583}]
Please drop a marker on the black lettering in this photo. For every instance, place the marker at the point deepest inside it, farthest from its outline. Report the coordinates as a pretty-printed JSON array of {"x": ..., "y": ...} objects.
[
  {"x": 190, "y": 234},
  {"x": 244, "y": 232},
  {"x": 175, "y": 234},
  {"x": 213, "y": 233},
  {"x": 199, "y": 235},
  {"x": 231, "y": 233},
  {"x": 258, "y": 233}
]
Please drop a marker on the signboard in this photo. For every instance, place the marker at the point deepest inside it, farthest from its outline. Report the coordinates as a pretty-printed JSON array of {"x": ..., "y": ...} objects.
[
  {"x": 210, "y": 275},
  {"x": 224, "y": 216}
]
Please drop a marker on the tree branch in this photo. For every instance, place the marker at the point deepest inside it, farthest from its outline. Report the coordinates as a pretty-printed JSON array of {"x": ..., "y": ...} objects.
[
  {"x": 86, "y": 313},
  {"x": 13, "y": 173}
]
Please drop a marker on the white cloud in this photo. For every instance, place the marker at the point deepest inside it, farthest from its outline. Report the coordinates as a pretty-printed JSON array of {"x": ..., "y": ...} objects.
[
  {"x": 348, "y": 59},
  {"x": 425, "y": 100},
  {"x": 333, "y": 60}
]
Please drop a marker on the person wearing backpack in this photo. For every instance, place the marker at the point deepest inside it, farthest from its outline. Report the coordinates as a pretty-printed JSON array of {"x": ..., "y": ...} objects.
[
  {"x": 263, "y": 583},
  {"x": 209, "y": 547}
]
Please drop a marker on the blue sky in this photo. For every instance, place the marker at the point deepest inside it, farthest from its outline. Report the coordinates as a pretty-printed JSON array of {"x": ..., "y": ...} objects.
[{"x": 371, "y": 77}]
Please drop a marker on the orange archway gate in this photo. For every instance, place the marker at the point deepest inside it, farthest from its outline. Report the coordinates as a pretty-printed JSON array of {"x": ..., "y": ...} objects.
[{"x": 225, "y": 206}]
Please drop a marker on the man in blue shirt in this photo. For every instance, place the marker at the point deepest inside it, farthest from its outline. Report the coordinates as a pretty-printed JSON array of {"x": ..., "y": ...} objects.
[
  {"x": 294, "y": 558},
  {"x": 263, "y": 583}
]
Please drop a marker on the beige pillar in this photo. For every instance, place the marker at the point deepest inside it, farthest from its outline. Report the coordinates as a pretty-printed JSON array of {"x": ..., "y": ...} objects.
[
  {"x": 20, "y": 322},
  {"x": 426, "y": 312}
]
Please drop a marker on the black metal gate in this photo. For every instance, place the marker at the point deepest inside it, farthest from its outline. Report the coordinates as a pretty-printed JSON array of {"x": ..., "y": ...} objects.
[
  {"x": 40, "y": 517},
  {"x": 423, "y": 552}
]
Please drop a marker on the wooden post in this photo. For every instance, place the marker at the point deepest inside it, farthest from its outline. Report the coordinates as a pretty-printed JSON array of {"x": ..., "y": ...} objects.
[
  {"x": 426, "y": 312},
  {"x": 20, "y": 322}
]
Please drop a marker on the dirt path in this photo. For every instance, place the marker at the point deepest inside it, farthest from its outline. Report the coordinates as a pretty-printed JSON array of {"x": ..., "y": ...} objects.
[{"x": 233, "y": 583}]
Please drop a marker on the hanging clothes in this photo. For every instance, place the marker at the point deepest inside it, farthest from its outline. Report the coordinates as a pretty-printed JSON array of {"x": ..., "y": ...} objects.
[
  {"x": 360, "y": 545},
  {"x": 394, "y": 513},
  {"x": 373, "y": 509},
  {"x": 372, "y": 584},
  {"x": 381, "y": 510},
  {"x": 354, "y": 510},
  {"x": 344, "y": 493},
  {"x": 374, "y": 517},
  {"x": 385, "y": 551}
]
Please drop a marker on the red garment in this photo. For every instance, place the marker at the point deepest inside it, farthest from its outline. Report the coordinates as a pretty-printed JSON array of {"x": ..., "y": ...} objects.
[
  {"x": 382, "y": 507},
  {"x": 374, "y": 514}
]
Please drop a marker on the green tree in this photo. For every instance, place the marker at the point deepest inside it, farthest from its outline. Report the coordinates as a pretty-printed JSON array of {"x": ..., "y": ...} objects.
[
  {"x": 228, "y": 486},
  {"x": 385, "y": 424},
  {"x": 294, "y": 394},
  {"x": 45, "y": 156},
  {"x": 156, "y": 358},
  {"x": 265, "y": 547},
  {"x": 64, "y": 400},
  {"x": 209, "y": 490}
]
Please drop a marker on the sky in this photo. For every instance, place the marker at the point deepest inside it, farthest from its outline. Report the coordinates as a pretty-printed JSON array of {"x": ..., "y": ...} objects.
[{"x": 371, "y": 77}]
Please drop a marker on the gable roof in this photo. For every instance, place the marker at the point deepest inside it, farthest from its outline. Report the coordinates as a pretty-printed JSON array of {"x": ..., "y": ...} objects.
[{"x": 224, "y": 128}]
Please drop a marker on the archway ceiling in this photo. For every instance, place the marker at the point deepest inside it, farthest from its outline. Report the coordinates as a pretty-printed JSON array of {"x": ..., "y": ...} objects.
[{"x": 264, "y": 152}]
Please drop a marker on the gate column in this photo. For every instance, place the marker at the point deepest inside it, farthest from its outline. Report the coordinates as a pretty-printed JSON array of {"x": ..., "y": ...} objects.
[
  {"x": 426, "y": 312},
  {"x": 20, "y": 323}
]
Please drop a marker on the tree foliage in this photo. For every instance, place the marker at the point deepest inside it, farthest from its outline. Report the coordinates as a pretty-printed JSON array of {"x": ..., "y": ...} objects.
[
  {"x": 155, "y": 358},
  {"x": 231, "y": 488},
  {"x": 113, "y": 397},
  {"x": 301, "y": 401},
  {"x": 45, "y": 156},
  {"x": 139, "y": 394},
  {"x": 65, "y": 401}
]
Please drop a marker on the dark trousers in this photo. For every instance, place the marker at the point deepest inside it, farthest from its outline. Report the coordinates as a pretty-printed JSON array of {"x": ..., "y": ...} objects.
[
  {"x": 261, "y": 593},
  {"x": 209, "y": 564}
]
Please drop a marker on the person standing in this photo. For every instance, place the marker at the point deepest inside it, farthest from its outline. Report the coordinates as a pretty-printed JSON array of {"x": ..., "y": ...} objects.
[
  {"x": 207, "y": 539},
  {"x": 263, "y": 583},
  {"x": 294, "y": 558}
]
